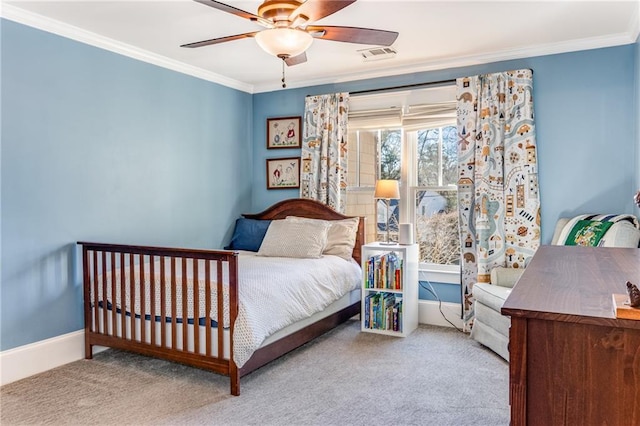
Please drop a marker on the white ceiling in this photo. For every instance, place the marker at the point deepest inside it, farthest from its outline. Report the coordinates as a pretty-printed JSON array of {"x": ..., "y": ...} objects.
[{"x": 433, "y": 35}]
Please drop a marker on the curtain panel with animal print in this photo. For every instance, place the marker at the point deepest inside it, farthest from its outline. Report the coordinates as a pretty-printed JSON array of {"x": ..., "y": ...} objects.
[
  {"x": 323, "y": 174},
  {"x": 498, "y": 193}
]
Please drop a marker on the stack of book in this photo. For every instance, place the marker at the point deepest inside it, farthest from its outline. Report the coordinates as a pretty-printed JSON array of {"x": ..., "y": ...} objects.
[
  {"x": 384, "y": 271},
  {"x": 383, "y": 311}
]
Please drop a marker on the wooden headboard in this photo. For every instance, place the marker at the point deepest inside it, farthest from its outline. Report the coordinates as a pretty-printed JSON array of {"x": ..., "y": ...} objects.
[{"x": 312, "y": 209}]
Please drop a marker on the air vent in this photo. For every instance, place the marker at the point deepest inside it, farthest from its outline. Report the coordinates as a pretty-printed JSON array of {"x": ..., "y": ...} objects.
[{"x": 377, "y": 53}]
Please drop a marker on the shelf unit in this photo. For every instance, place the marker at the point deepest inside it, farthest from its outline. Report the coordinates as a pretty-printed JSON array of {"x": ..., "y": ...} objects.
[{"x": 389, "y": 289}]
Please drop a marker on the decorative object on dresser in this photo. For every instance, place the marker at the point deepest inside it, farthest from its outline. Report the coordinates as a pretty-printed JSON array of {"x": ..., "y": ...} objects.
[
  {"x": 634, "y": 295},
  {"x": 387, "y": 189},
  {"x": 284, "y": 132},
  {"x": 283, "y": 173},
  {"x": 627, "y": 306},
  {"x": 145, "y": 299},
  {"x": 389, "y": 289}
]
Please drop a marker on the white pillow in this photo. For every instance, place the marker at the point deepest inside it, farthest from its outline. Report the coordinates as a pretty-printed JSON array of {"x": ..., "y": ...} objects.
[
  {"x": 621, "y": 234},
  {"x": 294, "y": 239},
  {"x": 341, "y": 237}
]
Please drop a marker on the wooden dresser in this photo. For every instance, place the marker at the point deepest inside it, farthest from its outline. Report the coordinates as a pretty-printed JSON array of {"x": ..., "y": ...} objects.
[{"x": 571, "y": 361}]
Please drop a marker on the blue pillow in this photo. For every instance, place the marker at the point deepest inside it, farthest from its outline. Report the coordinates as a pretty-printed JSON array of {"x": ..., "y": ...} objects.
[{"x": 248, "y": 234}]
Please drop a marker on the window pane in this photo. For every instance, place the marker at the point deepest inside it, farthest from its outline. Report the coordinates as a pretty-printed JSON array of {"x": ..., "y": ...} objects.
[
  {"x": 427, "y": 157},
  {"x": 381, "y": 225},
  {"x": 390, "y": 154},
  {"x": 449, "y": 155},
  {"x": 437, "y": 226}
]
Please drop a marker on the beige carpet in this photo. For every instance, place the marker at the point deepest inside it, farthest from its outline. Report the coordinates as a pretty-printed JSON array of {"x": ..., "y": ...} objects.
[
  {"x": 436, "y": 376},
  {"x": 113, "y": 388}
]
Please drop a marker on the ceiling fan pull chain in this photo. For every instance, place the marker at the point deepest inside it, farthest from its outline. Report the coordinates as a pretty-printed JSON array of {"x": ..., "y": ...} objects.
[{"x": 284, "y": 84}]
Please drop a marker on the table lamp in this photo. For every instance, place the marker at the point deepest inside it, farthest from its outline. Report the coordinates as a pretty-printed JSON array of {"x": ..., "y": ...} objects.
[{"x": 387, "y": 189}]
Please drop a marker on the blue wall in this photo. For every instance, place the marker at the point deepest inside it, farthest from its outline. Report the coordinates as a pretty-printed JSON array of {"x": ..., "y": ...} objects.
[
  {"x": 100, "y": 147},
  {"x": 586, "y": 127},
  {"x": 97, "y": 146}
]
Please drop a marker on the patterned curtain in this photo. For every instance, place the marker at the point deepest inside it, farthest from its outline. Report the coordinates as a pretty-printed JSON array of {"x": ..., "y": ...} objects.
[
  {"x": 324, "y": 150},
  {"x": 498, "y": 176}
]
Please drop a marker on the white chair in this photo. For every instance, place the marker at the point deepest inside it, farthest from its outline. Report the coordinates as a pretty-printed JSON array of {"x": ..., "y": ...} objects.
[{"x": 490, "y": 327}]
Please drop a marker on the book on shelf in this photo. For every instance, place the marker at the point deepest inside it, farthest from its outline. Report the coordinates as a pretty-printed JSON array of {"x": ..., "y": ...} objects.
[
  {"x": 383, "y": 311},
  {"x": 384, "y": 271}
]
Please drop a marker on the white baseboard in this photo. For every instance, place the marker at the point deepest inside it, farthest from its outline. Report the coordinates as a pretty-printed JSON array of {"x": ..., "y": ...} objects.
[
  {"x": 428, "y": 313},
  {"x": 38, "y": 357}
]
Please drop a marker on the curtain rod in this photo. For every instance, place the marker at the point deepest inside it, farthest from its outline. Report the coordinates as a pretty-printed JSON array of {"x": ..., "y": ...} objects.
[{"x": 406, "y": 86}]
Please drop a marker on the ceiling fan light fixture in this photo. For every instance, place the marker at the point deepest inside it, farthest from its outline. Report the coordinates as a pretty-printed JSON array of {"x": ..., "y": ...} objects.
[{"x": 287, "y": 42}]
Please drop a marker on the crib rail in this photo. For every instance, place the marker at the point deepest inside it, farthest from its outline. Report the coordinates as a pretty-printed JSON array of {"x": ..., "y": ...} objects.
[{"x": 156, "y": 301}]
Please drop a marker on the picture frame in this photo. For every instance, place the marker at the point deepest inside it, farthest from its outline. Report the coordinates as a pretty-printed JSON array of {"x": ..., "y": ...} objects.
[
  {"x": 284, "y": 132},
  {"x": 283, "y": 173}
]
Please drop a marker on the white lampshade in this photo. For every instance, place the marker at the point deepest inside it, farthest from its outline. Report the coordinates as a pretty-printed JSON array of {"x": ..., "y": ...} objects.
[
  {"x": 286, "y": 42},
  {"x": 387, "y": 189}
]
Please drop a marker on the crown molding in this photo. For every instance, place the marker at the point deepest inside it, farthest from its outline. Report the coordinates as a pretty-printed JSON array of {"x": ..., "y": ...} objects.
[{"x": 53, "y": 26}]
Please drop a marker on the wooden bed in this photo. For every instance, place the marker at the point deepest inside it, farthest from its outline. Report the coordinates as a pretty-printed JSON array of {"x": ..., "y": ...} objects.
[{"x": 177, "y": 340}]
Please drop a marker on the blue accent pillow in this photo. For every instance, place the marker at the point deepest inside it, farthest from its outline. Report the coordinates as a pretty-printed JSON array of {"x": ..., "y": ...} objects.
[{"x": 248, "y": 234}]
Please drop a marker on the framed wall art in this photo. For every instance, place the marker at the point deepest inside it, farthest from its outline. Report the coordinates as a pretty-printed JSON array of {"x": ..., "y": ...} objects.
[
  {"x": 283, "y": 173},
  {"x": 284, "y": 132}
]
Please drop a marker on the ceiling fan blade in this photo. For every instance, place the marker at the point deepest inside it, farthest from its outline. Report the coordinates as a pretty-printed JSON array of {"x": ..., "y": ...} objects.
[
  {"x": 295, "y": 60},
  {"x": 314, "y": 10},
  {"x": 219, "y": 40},
  {"x": 354, "y": 35},
  {"x": 238, "y": 12}
]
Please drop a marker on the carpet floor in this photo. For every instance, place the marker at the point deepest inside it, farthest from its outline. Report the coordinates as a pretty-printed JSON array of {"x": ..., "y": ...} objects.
[{"x": 436, "y": 376}]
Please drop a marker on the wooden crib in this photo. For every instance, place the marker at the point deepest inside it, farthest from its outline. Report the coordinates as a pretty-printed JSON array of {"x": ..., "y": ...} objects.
[{"x": 123, "y": 310}]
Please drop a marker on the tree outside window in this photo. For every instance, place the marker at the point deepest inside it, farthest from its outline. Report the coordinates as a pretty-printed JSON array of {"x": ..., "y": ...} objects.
[{"x": 436, "y": 208}]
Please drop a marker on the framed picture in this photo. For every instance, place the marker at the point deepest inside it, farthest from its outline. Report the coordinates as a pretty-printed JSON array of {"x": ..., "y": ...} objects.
[
  {"x": 283, "y": 132},
  {"x": 283, "y": 173}
]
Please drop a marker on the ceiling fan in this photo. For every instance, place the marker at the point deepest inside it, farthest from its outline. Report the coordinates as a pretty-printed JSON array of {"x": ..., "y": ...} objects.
[{"x": 288, "y": 33}]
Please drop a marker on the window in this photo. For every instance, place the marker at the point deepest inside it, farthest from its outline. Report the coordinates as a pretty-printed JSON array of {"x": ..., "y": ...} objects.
[
  {"x": 435, "y": 194},
  {"x": 415, "y": 144}
]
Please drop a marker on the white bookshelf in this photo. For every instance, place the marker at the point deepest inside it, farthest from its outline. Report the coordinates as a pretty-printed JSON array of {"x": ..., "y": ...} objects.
[{"x": 389, "y": 302}]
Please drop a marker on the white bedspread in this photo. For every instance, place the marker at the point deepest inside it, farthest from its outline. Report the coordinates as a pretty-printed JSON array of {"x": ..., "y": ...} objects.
[
  {"x": 276, "y": 292},
  {"x": 273, "y": 293}
]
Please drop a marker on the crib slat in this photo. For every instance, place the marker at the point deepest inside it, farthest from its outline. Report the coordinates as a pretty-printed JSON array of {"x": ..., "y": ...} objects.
[
  {"x": 123, "y": 310},
  {"x": 94, "y": 288},
  {"x": 152, "y": 296},
  {"x": 163, "y": 304},
  {"x": 114, "y": 301},
  {"x": 196, "y": 307},
  {"x": 132, "y": 297},
  {"x": 105, "y": 323},
  {"x": 174, "y": 336},
  {"x": 143, "y": 301},
  {"x": 185, "y": 312},
  {"x": 220, "y": 297},
  {"x": 207, "y": 303}
]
